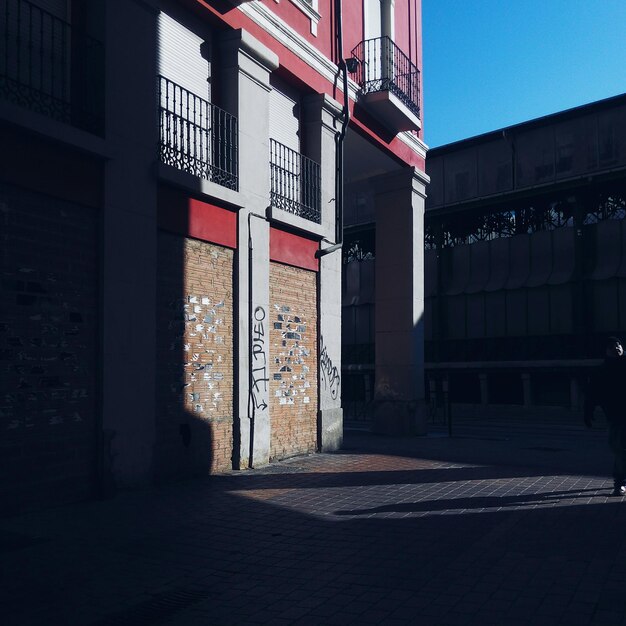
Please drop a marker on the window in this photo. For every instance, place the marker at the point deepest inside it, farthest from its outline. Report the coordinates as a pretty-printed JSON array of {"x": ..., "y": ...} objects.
[{"x": 309, "y": 8}]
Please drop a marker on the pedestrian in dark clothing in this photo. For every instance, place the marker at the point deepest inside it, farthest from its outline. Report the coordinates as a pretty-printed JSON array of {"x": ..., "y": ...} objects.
[{"x": 607, "y": 389}]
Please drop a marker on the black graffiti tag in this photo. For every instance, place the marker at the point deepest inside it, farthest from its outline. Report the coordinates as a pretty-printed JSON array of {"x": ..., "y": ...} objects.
[
  {"x": 259, "y": 360},
  {"x": 330, "y": 374}
]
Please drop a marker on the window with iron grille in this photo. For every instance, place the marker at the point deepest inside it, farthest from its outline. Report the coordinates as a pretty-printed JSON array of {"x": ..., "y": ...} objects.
[
  {"x": 310, "y": 9},
  {"x": 196, "y": 136},
  {"x": 384, "y": 67},
  {"x": 50, "y": 66},
  {"x": 295, "y": 182}
]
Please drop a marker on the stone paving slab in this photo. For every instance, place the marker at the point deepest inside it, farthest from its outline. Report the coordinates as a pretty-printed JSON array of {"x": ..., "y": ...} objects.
[{"x": 470, "y": 530}]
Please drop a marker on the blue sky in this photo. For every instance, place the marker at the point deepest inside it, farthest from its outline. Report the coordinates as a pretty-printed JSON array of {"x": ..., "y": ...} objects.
[{"x": 493, "y": 63}]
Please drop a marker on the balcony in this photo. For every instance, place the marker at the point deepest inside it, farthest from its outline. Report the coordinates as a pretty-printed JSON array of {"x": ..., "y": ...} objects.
[
  {"x": 196, "y": 136},
  {"x": 50, "y": 67},
  {"x": 295, "y": 183},
  {"x": 389, "y": 82}
]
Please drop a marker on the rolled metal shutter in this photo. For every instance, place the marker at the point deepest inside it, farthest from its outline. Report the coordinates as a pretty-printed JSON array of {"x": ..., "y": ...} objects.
[
  {"x": 180, "y": 57},
  {"x": 284, "y": 115}
]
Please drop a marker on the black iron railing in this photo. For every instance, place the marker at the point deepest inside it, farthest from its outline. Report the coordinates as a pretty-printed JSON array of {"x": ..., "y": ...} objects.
[
  {"x": 50, "y": 67},
  {"x": 384, "y": 67},
  {"x": 472, "y": 226},
  {"x": 196, "y": 136},
  {"x": 296, "y": 182}
]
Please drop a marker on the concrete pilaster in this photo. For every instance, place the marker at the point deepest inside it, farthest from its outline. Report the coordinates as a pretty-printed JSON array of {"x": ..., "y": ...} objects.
[
  {"x": 245, "y": 66},
  {"x": 330, "y": 421},
  {"x": 128, "y": 275},
  {"x": 399, "y": 394},
  {"x": 321, "y": 126},
  {"x": 254, "y": 321}
]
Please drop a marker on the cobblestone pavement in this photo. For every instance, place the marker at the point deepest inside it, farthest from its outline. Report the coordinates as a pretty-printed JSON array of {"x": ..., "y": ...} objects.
[{"x": 478, "y": 529}]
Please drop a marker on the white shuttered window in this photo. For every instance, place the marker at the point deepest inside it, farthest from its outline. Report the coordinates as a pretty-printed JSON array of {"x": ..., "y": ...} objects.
[
  {"x": 284, "y": 114},
  {"x": 180, "y": 57}
]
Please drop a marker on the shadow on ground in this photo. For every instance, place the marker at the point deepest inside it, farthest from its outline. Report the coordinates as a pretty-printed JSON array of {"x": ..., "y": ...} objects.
[{"x": 329, "y": 539}]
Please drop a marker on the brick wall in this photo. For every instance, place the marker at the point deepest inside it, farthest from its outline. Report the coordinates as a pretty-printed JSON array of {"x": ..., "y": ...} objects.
[
  {"x": 293, "y": 358},
  {"x": 194, "y": 428},
  {"x": 48, "y": 350}
]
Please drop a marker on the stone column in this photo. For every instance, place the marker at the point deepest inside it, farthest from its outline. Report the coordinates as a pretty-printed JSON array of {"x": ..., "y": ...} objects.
[
  {"x": 129, "y": 246},
  {"x": 245, "y": 67},
  {"x": 321, "y": 125},
  {"x": 399, "y": 393}
]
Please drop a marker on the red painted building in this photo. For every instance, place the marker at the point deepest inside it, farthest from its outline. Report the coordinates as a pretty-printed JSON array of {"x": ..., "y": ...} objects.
[{"x": 174, "y": 185}]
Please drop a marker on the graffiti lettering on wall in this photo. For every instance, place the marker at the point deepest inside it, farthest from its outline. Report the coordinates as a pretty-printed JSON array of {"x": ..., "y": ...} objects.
[
  {"x": 199, "y": 322},
  {"x": 329, "y": 372},
  {"x": 259, "y": 360},
  {"x": 292, "y": 369}
]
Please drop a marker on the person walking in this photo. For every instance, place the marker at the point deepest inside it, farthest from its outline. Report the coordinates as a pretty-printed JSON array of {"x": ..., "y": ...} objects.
[{"x": 606, "y": 389}]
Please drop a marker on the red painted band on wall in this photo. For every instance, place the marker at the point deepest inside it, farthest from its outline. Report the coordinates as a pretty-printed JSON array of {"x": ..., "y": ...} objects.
[
  {"x": 195, "y": 218},
  {"x": 293, "y": 250}
]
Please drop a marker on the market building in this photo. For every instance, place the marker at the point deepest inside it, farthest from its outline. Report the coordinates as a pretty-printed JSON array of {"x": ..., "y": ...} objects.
[{"x": 525, "y": 273}]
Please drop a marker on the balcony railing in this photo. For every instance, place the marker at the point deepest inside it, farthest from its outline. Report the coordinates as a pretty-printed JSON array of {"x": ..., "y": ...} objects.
[
  {"x": 295, "y": 182},
  {"x": 50, "y": 67},
  {"x": 384, "y": 67},
  {"x": 196, "y": 136}
]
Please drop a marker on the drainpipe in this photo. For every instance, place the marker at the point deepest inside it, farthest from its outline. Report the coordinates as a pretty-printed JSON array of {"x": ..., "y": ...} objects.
[{"x": 339, "y": 139}]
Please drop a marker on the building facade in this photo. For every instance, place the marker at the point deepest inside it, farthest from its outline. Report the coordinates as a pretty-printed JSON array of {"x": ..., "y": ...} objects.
[
  {"x": 524, "y": 257},
  {"x": 173, "y": 183}
]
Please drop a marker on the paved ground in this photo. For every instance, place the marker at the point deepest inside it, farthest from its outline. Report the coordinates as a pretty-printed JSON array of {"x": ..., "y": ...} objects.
[{"x": 503, "y": 524}]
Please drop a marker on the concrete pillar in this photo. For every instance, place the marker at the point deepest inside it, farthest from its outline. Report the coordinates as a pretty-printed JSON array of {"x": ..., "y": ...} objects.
[
  {"x": 387, "y": 14},
  {"x": 129, "y": 229},
  {"x": 321, "y": 124},
  {"x": 399, "y": 394},
  {"x": 484, "y": 389},
  {"x": 330, "y": 421},
  {"x": 245, "y": 67},
  {"x": 527, "y": 390}
]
